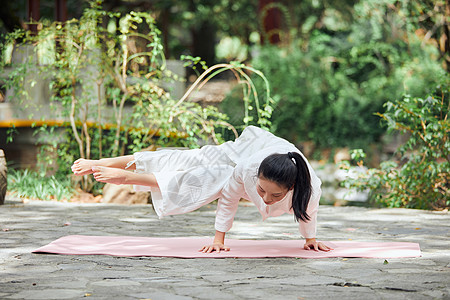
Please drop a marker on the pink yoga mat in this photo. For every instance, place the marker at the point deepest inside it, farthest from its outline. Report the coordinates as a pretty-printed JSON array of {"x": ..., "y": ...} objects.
[{"x": 188, "y": 248}]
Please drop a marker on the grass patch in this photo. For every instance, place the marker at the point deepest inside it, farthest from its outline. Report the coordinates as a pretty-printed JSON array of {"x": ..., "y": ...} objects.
[{"x": 33, "y": 185}]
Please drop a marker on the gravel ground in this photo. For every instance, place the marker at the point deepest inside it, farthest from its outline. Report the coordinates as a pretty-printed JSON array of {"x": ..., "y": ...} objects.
[{"x": 25, "y": 227}]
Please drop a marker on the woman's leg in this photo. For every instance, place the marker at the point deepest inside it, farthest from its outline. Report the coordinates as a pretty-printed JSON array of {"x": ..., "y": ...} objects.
[
  {"x": 178, "y": 160},
  {"x": 119, "y": 176},
  {"x": 84, "y": 166}
]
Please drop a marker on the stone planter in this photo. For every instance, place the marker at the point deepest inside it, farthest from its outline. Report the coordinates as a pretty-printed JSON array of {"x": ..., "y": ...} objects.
[{"x": 3, "y": 177}]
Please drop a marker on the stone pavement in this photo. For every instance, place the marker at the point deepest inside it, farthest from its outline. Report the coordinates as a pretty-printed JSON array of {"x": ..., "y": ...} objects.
[{"x": 25, "y": 227}]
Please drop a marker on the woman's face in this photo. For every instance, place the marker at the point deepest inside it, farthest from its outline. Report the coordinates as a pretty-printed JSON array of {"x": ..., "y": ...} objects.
[{"x": 270, "y": 191}]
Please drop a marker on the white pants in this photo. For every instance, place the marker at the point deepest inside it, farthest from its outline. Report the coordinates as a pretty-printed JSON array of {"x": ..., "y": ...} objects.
[{"x": 187, "y": 179}]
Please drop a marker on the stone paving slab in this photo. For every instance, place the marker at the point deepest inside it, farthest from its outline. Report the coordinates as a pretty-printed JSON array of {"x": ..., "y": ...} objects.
[{"x": 25, "y": 227}]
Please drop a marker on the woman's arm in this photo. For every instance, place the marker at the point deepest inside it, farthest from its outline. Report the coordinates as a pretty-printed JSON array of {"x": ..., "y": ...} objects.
[
  {"x": 217, "y": 245},
  {"x": 226, "y": 209},
  {"x": 228, "y": 203},
  {"x": 308, "y": 228}
]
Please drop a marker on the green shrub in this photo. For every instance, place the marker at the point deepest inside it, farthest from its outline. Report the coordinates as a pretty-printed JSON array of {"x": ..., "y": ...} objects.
[
  {"x": 35, "y": 185},
  {"x": 329, "y": 94},
  {"x": 105, "y": 73},
  {"x": 329, "y": 83},
  {"x": 422, "y": 178}
]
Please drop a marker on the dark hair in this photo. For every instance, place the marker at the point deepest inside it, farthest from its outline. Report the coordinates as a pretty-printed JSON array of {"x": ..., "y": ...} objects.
[{"x": 290, "y": 170}]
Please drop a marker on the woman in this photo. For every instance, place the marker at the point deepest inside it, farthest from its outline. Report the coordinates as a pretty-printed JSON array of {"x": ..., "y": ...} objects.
[{"x": 258, "y": 166}]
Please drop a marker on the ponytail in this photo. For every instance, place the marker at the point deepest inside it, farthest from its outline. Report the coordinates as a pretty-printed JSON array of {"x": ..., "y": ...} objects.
[
  {"x": 290, "y": 171},
  {"x": 302, "y": 187}
]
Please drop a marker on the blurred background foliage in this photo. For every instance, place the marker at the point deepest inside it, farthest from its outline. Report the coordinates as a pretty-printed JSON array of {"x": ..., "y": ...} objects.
[
  {"x": 421, "y": 178},
  {"x": 331, "y": 64}
]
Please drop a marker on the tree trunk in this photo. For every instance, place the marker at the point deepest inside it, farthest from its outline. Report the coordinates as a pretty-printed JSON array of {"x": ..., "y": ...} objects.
[
  {"x": 3, "y": 177},
  {"x": 446, "y": 37}
]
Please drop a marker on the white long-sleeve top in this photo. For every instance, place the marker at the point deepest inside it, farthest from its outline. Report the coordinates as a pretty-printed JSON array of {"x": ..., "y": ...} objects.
[
  {"x": 189, "y": 179},
  {"x": 248, "y": 151}
]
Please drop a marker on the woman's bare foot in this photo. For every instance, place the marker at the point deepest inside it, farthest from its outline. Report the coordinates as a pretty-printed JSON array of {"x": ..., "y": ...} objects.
[
  {"x": 84, "y": 166},
  {"x": 110, "y": 175}
]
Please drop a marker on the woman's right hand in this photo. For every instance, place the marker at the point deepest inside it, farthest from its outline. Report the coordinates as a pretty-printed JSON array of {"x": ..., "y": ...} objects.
[{"x": 214, "y": 247}]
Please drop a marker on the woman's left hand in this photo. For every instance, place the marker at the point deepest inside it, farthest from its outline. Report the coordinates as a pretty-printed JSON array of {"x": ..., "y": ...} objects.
[{"x": 316, "y": 246}]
